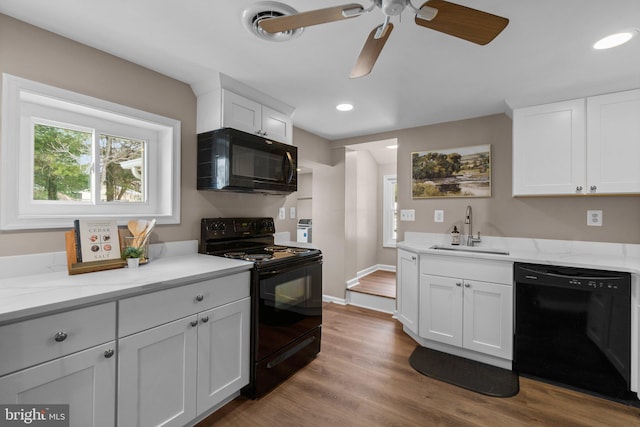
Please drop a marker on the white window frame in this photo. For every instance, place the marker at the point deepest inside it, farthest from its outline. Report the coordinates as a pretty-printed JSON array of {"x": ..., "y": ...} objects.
[
  {"x": 388, "y": 209},
  {"x": 25, "y": 102}
]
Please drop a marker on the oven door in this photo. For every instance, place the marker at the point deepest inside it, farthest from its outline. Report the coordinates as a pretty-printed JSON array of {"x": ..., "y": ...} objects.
[{"x": 289, "y": 305}]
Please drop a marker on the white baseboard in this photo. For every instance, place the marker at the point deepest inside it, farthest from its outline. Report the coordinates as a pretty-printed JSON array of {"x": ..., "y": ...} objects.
[
  {"x": 329, "y": 298},
  {"x": 356, "y": 280}
]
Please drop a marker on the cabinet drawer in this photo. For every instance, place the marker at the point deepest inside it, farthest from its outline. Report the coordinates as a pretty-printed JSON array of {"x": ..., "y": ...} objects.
[
  {"x": 149, "y": 310},
  {"x": 485, "y": 270},
  {"x": 34, "y": 341}
]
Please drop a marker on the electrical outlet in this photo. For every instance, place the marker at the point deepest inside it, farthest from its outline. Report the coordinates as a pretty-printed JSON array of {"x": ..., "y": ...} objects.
[
  {"x": 594, "y": 218},
  {"x": 438, "y": 215},
  {"x": 292, "y": 212},
  {"x": 282, "y": 214},
  {"x": 407, "y": 214}
]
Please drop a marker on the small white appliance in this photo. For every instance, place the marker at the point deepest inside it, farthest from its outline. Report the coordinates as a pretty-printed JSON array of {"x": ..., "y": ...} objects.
[{"x": 304, "y": 231}]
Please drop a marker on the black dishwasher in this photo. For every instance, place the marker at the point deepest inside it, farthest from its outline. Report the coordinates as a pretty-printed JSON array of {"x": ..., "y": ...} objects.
[{"x": 573, "y": 327}]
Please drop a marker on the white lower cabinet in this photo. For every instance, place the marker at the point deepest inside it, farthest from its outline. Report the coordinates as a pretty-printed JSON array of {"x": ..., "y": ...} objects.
[
  {"x": 465, "y": 313},
  {"x": 170, "y": 374},
  {"x": 407, "y": 290},
  {"x": 84, "y": 380}
]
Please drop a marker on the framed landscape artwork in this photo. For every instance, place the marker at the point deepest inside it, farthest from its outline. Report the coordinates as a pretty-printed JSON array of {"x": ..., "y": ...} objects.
[{"x": 451, "y": 172}]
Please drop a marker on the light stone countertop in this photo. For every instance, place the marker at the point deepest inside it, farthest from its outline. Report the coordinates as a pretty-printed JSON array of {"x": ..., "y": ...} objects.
[
  {"x": 604, "y": 256},
  {"x": 46, "y": 292}
]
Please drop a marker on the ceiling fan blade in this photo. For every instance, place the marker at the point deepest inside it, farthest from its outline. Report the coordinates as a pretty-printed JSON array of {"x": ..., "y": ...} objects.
[
  {"x": 370, "y": 52},
  {"x": 464, "y": 22},
  {"x": 313, "y": 17}
]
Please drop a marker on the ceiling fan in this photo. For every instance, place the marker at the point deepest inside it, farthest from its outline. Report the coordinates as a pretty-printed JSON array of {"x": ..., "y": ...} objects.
[{"x": 456, "y": 20}]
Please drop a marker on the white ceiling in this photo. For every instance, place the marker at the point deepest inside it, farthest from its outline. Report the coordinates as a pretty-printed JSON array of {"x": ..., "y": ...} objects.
[{"x": 422, "y": 76}]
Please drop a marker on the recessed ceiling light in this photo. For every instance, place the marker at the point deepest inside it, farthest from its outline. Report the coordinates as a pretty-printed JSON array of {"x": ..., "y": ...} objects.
[
  {"x": 615, "y": 40},
  {"x": 344, "y": 107}
]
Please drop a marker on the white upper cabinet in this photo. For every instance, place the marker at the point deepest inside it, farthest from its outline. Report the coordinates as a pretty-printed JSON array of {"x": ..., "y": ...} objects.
[
  {"x": 223, "y": 108},
  {"x": 549, "y": 149},
  {"x": 613, "y": 143},
  {"x": 579, "y": 147}
]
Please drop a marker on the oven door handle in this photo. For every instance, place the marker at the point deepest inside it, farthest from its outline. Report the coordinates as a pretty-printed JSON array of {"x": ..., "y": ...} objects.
[{"x": 269, "y": 273}]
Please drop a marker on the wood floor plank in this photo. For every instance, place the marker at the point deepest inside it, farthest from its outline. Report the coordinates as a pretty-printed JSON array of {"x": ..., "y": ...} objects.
[
  {"x": 380, "y": 283},
  {"x": 362, "y": 377}
]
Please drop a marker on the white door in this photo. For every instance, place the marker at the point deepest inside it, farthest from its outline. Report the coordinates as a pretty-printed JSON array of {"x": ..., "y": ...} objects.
[
  {"x": 276, "y": 125},
  {"x": 441, "y": 309},
  {"x": 223, "y": 352},
  {"x": 488, "y": 318},
  {"x": 549, "y": 149},
  {"x": 407, "y": 290},
  {"x": 613, "y": 143},
  {"x": 241, "y": 113},
  {"x": 86, "y": 381},
  {"x": 157, "y": 375}
]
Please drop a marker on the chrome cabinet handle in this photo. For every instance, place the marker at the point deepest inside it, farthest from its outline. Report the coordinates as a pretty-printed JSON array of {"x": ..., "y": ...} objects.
[
  {"x": 60, "y": 336},
  {"x": 579, "y": 188},
  {"x": 594, "y": 188},
  {"x": 205, "y": 319},
  {"x": 109, "y": 353},
  {"x": 466, "y": 285},
  {"x": 199, "y": 298},
  {"x": 194, "y": 323},
  {"x": 458, "y": 284},
  {"x": 413, "y": 258}
]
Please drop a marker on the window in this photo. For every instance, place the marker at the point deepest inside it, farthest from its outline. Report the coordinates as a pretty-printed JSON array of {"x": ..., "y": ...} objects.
[
  {"x": 77, "y": 156},
  {"x": 390, "y": 210}
]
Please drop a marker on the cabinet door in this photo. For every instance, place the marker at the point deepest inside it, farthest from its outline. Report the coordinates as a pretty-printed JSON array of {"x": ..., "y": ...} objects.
[
  {"x": 613, "y": 143},
  {"x": 157, "y": 375},
  {"x": 241, "y": 113},
  {"x": 407, "y": 292},
  {"x": 223, "y": 352},
  {"x": 84, "y": 380},
  {"x": 549, "y": 149},
  {"x": 276, "y": 125},
  {"x": 488, "y": 318},
  {"x": 441, "y": 309}
]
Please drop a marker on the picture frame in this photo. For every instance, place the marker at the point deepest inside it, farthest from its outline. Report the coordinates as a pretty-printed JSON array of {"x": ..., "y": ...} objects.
[{"x": 451, "y": 172}]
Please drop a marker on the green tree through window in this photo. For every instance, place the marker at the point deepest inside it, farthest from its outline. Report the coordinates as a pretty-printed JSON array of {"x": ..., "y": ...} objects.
[{"x": 61, "y": 162}]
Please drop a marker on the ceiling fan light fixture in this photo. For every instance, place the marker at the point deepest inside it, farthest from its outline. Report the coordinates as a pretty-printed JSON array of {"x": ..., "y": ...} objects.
[
  {"x": 427, "y": 13},
  {"x": 614, "y": 40},
  {"x": 344, "y": 107}
]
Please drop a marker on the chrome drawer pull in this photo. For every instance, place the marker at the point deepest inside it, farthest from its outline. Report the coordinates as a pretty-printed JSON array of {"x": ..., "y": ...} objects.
[
  {"x": 205, "y": 319},
  {"x": 194, "y": 323},
  {"x": 60, "y": 336},
  {"x": 199, "y": 298},
  {"x": 109, "y": 353}
]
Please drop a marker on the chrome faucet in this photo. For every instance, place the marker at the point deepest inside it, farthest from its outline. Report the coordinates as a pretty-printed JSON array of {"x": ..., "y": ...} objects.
[{"x": 469, "y": 220}]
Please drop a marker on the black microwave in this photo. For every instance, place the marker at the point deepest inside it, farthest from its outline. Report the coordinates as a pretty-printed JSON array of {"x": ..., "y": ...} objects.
[{"x": 232, "y": 160}]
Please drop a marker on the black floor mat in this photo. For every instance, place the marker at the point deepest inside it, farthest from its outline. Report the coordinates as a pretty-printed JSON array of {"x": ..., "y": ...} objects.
[{"x": 469, "y": 374}]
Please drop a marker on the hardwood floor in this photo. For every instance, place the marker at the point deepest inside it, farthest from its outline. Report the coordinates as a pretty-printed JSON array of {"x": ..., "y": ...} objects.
[
  {"x": 362, "y": 378},
  {"x": 381, "y": 283}
]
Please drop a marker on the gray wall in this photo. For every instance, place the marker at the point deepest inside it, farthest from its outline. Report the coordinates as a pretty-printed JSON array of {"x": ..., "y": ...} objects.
[{"x": 502, "y": 215}]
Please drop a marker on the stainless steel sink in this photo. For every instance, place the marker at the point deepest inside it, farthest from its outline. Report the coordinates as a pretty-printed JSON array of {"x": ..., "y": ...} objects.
[{"x": 470, "y": 249}]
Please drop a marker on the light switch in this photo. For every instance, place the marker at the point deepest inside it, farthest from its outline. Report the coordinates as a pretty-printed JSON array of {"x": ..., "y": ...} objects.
[
  {"x": 292, "y": 212},
  {"x": 438, "y": 215},
  {"x": 407, "y": 214},
  {"x": 282, "y": 214}
]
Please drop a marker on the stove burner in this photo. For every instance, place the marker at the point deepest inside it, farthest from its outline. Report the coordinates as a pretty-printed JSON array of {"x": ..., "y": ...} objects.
[
  {"x": 235, "y": 255},
  {"x": 297, "y": 250},
  {"x": 275, "y": 248},
  {"x": 258, "y": 257}
]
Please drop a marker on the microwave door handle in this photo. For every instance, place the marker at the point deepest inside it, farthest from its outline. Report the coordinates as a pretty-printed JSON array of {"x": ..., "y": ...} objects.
[{"x": 290, "y": 161}]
